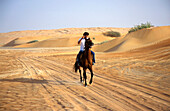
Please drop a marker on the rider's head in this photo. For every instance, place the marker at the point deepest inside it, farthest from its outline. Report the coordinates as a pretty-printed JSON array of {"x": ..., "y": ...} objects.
[{"x": 86, "y": 34}]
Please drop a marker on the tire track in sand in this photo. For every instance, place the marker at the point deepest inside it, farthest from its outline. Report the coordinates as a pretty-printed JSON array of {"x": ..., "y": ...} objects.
[{"x": 108, "y": 88}]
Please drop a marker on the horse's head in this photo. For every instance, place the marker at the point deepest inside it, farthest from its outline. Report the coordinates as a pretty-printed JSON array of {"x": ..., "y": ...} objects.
[{"x": 88, "y": 43}]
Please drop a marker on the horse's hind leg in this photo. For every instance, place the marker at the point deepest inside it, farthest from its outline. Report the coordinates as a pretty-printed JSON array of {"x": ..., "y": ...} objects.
[
  {"x": 85, "y": 77},
  {"x": 91, "y": 75}
]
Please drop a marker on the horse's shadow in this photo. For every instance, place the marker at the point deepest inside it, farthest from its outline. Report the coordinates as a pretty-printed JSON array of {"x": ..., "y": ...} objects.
[
  {"x": 25, "y": 80},
  {"x": 38, "y": 81}
]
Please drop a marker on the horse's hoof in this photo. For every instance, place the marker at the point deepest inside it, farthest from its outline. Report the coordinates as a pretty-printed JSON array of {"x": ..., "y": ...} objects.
[
  {"x": 90, "y": 82},
  {"x": 85, "y": 85}
]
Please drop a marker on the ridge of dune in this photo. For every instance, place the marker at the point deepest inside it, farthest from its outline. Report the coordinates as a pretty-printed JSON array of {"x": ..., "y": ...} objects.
[
  {"x": 6, "y": 40},
  {"x": 25, "y": 40},
  {"x": 136, "y": 39}
]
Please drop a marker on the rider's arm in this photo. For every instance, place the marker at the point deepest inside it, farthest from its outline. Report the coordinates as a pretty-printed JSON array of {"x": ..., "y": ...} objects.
[{"x": 80, "y": 40}]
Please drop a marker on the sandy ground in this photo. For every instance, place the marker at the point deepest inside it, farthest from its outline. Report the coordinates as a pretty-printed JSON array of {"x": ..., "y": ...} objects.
[
  {"x": 132, "y": 72},
  {"x": 43, "y": 79}
]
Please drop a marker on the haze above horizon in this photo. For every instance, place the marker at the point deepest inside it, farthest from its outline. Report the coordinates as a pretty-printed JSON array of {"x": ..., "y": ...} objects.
[{"x": 54, "y": 14}]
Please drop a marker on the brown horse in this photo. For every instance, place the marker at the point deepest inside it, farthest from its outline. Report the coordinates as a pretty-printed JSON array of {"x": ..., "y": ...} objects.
[{"x": 85, "y": 62}]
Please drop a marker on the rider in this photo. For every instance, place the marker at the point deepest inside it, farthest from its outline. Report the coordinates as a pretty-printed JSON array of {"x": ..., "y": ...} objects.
[{"x": 81, "y": 41}]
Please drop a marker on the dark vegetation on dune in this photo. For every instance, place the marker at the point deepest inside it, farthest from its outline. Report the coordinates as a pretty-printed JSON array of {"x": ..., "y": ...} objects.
[
  {"x": 32, "y": 41},
  {"x": 112, "y": 34}
]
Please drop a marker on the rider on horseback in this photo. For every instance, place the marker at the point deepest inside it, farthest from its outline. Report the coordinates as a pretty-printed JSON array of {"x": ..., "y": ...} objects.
[{"x": 81, "y": 41}]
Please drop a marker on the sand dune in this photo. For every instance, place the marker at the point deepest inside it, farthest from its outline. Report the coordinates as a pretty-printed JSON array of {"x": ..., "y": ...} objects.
[
  {"x": 54, "y": 42},
  {"x": 22, "y": 37},
  {"x": 6, "y": 40},
  {"x": 68, "y": 37},
  {"x": 25, "y": 40},
  {"x": 136, "y": 39},
  {"x": 59, "y": 32},
  {"x": 61, "y": 41}
]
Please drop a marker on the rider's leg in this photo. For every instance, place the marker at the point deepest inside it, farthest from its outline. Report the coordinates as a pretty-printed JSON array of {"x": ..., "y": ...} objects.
[
  {"x": 78, "y": 56},
  {"x": 93, "y": 56}
]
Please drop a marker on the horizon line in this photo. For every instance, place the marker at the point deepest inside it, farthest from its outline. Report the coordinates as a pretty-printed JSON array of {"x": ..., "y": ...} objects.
[{"x": 70, "y": 28}]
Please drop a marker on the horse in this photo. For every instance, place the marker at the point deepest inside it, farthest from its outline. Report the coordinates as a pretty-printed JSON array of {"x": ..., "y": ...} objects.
[{"x": 85, "y": 62}]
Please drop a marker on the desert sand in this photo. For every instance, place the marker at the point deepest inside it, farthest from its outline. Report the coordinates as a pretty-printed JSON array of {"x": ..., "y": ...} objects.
[
  {"x": 54, "y": 38},
  {"x": 135, "y": 40},
  {"x": 131, "y": 73}
]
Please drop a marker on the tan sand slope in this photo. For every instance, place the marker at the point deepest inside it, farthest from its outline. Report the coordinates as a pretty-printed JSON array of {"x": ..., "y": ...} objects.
[
  {"x": 54, "y": 42},
  {"x": 6, "y": 40},
  {"x": 59, "y": 32},
  {"x": 25, "y": 40},
  {"x": 22, "y": 37},
  {"x": 42, "y": 79},
  {"x": 66, "y": 41},
  {"x": 135, "y": 39}
]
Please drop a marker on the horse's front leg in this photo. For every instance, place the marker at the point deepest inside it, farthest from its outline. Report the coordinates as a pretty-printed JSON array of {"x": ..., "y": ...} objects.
[
  {"x": 85, "y": 77},
  {"x": 80, "y": 75},
  {"x": 91, "y": 75}
]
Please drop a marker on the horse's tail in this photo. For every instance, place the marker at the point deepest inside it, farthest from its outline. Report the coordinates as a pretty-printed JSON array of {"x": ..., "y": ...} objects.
[{"x": 75, "y": 66}]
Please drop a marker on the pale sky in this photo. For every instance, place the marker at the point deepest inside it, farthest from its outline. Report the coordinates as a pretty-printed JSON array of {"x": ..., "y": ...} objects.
[{"x": 16, "y": 15}]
